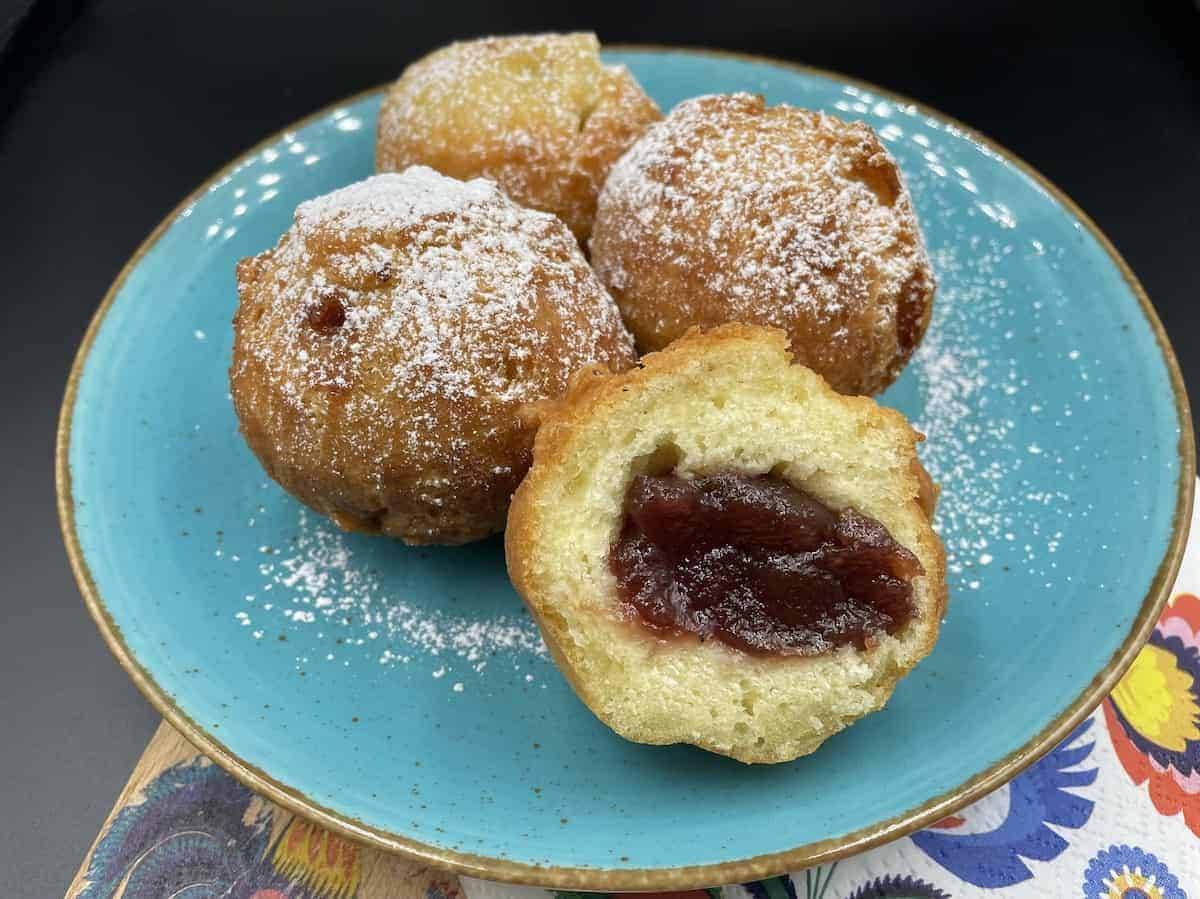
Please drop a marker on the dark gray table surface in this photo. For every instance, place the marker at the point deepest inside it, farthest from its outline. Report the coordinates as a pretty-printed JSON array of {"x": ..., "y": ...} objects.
[{"x": 104, "y": 128}]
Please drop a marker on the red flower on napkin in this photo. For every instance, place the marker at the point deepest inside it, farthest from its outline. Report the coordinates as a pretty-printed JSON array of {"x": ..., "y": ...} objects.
[{"x": 1153, "y": 715}]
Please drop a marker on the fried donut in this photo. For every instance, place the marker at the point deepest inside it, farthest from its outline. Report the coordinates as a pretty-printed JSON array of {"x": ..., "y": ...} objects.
[
  {"x": 538, "y": 114},
  {"x": 722, "y": 550},
  {"x": 732, "y": 211},
  {"x": 384, "y": 349}
]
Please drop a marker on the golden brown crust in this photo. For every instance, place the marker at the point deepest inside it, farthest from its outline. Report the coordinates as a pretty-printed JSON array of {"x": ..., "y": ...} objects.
[
  {"x": 930, "y": 490},
  {"x": 568, "y": 424},
  {"x": 383, "y": 350},
  {"x": 538, "y": 114},
  {"x": 732, "y": 211}
]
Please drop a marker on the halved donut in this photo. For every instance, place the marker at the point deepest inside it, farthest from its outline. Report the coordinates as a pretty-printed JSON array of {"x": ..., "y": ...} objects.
[{"x": 722, "y": 550}]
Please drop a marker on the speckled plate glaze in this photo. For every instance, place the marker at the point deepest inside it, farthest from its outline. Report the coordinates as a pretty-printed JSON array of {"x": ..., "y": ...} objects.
[{"x": 401, "y": 695}]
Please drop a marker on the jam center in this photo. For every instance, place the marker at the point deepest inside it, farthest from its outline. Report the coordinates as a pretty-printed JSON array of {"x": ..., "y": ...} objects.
[{"x": 758, "y": 564}]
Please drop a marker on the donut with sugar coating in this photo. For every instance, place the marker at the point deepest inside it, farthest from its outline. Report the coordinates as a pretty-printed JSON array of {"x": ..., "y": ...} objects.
[
  {"x": 732, "y": 211},
  {"x": 539, "y": 114},
  {"x": 384, "y": 350}
]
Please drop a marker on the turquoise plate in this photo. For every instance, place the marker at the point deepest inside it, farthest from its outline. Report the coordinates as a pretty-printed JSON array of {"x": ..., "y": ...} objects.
[{"x": 402, "y": 696}]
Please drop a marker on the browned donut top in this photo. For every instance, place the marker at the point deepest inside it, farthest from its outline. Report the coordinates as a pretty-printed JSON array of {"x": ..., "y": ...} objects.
[
  {"x": 729, "y": 210},
  {"x": 540, "y": 114},
  {"x": 429, "y": 308}
]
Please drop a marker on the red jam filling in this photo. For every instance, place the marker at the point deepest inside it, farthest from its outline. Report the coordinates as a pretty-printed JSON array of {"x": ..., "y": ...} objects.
[{"x": 758, "y": 564}]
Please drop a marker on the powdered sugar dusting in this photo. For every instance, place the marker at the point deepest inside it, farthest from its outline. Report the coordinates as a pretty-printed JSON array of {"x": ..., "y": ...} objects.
[
  {"x": 402, "y": 321},
  {"x": 320, "y": 584},
  {"x": 732, "y": 211},
  {"x": 952, "y": 375},
  {"x": 539, "y": 114},
  {"x": 393, "y": 201},
  {"x": 425, "y": 268},
  {"x": 974, "y": 401}
]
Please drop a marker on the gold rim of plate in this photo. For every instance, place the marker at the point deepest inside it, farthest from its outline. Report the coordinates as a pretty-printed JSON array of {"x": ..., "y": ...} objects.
[{"x": 612, "y": 879}]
